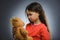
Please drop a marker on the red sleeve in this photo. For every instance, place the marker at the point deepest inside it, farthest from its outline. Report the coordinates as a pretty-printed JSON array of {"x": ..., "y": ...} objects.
[{"x": 45, "y": 35}]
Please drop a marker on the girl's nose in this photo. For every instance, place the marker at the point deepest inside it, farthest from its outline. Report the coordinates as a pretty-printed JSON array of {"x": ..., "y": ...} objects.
[{"x": 29, "y": 17}]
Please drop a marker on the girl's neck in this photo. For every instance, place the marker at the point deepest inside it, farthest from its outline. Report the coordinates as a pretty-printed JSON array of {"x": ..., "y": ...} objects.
[{"x": 37, "y": 22}]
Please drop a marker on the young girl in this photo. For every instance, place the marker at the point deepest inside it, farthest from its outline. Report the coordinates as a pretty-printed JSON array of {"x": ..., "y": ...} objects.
[{"x": 37, "y": 28}]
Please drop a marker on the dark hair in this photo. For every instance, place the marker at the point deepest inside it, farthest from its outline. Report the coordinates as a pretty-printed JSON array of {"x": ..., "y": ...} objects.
[{"x": 36, "y": 7}]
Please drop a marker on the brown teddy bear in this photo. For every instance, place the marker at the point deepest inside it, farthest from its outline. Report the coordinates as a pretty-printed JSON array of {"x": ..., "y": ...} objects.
[{"x": 19, "y": 33}]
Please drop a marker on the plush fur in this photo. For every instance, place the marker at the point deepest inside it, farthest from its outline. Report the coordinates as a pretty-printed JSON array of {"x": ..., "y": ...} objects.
[{"x": 19, "y": 33}]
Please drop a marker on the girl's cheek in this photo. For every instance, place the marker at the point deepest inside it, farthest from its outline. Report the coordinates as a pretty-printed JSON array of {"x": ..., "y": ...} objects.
[{"x": 33, "y": 19}]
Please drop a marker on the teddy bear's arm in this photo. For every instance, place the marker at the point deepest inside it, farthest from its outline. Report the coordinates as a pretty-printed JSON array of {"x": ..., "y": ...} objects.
[
  {"x": 23, "y": 31},
  {"x": 18, "y": 35}
]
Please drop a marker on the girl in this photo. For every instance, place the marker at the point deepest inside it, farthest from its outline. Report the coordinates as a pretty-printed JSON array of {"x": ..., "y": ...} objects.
[{"x": 37, "y": 28}]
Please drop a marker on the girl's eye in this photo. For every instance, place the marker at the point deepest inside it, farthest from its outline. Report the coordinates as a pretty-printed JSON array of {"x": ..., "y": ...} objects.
[{"x": 29, "y": 14}]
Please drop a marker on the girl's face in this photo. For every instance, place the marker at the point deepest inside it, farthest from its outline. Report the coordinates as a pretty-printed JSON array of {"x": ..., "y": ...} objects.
[{"x": 32, "y": 16}]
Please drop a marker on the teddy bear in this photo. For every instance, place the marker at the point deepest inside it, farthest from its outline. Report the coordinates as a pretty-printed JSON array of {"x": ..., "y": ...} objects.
[{"x": 19, "y": 33}]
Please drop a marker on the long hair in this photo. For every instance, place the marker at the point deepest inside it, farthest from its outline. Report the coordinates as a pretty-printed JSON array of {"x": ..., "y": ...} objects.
[{"x": 36, "y": 7}]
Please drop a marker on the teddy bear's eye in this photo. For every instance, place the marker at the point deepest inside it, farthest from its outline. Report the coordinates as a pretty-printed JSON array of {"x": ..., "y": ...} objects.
[{"x": 15, "y": 21}]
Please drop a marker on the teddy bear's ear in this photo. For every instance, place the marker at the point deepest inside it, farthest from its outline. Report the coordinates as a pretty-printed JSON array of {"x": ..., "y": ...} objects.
[
  {"x": 11, "y": 20},
  {"x": 15, "y": 17}
]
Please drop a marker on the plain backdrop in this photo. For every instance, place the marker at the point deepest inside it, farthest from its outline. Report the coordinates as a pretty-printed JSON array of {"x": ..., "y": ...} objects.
[{"x": 12, "y": 8}]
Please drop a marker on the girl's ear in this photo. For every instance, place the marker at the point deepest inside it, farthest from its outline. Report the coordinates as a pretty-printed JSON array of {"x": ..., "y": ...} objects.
[{"x": 38, "y": 14}]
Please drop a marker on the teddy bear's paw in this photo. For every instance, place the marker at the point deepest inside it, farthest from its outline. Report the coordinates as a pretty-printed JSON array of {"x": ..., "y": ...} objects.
[{"x": 29, "y": 38}]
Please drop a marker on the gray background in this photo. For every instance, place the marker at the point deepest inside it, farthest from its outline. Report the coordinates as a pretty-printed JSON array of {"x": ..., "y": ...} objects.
[{"x": 12, "y": 8}]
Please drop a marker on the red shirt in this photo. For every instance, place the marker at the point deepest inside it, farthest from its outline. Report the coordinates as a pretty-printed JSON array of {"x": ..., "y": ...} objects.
[{"x": 38, "y": 32}]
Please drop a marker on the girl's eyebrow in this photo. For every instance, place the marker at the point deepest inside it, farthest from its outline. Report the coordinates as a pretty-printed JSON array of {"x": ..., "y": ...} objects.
[{"x": 29, "y": 14}]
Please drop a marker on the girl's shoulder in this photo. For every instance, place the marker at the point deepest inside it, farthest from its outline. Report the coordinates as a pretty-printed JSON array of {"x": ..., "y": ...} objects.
[{"x": 43, "y": 26}]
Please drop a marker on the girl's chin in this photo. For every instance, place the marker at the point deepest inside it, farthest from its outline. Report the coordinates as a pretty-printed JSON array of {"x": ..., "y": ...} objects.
[{"x": 32, "y": 21}]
